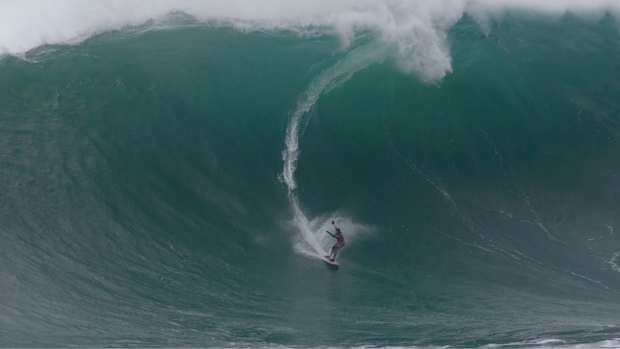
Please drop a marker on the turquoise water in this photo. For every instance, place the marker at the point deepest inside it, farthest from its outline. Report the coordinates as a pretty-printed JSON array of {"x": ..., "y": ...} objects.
[{"x": 152, "y": 193}]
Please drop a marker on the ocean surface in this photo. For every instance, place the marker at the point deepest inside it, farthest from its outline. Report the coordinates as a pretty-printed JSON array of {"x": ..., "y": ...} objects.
[{"x": 169, "y": 183}]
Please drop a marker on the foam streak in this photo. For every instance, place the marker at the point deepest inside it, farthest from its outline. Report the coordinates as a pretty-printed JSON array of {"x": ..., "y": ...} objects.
[{"x": 355, "y": 61}]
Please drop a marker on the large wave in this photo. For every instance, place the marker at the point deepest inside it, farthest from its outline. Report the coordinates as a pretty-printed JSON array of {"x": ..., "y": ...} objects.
[{"x": 149, "y": 178}]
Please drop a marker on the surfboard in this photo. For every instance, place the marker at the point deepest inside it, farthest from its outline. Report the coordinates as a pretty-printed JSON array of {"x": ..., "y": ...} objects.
[{"x": 330, "y": 264}]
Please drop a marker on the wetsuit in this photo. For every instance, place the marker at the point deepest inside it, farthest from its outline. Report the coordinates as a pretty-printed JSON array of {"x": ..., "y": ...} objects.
[{"x": 338, "y": 245}]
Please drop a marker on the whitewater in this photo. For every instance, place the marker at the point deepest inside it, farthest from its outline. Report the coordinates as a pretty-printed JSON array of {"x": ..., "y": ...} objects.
[{"x": 416, "y": 30}]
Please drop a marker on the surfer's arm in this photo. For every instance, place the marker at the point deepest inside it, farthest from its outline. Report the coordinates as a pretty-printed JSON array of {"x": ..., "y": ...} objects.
[{"x": 330, "y": 234}]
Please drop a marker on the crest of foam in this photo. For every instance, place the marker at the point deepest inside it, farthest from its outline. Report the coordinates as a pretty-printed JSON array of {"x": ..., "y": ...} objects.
[{"x": 416, "y": 29}]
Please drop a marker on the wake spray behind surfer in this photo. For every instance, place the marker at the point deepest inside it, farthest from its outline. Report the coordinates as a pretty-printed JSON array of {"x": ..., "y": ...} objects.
[{"x": 339, "y": 242}]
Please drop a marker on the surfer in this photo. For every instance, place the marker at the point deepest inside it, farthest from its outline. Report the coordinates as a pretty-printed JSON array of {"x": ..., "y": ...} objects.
[{"x": 339, "y": 242}]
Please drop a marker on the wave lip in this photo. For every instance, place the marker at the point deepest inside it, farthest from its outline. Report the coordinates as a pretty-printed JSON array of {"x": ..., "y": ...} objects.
[{"x": 417, "y": 30}]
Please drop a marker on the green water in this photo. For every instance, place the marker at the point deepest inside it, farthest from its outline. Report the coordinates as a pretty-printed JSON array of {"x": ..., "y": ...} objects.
[{"x": 143, "y": 202}]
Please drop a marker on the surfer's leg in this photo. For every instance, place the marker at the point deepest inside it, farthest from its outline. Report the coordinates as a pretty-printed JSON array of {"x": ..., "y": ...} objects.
[{"x": 332, "y": 253}]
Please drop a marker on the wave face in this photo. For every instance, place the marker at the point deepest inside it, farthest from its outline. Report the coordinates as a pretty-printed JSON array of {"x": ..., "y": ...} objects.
[{"x": 169, "y": 185}]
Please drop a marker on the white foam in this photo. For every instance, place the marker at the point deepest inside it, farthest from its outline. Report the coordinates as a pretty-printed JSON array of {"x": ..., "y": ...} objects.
[
  {"x": 538, "y": 344},
  {"x": 416, "y": 29},
  {"x": 613, "y": 262}
]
